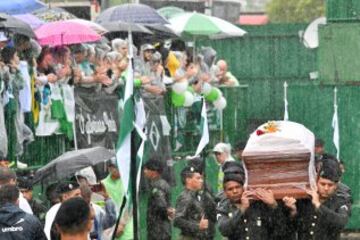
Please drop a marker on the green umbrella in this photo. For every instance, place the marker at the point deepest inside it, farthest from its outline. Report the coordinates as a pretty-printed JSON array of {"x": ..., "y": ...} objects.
[
  {"x": 193, "y": 26},
  {"x": 170, "y": 11},
  {"x": 196, "y": 25}
]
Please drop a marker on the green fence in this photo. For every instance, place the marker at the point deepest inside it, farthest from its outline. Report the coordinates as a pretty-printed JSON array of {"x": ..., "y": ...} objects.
[
  {"x": 339, "y": 47},
  {"x": 342, "y": 10},
  {"x": 267, "y": 52},
  {"x": 312, "y": 105}
]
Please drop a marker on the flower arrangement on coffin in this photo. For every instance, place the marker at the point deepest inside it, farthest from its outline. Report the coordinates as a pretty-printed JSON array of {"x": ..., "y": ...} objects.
[{"x": 270, "y": 127}]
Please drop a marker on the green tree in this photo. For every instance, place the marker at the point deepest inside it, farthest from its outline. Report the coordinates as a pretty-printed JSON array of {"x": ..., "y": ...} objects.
[{"x": 295, "y": 11}]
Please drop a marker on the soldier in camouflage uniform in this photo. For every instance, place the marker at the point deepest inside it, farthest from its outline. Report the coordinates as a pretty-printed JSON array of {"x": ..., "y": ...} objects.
[
  {"x": 195, "y": 213},
  {"x": 159, "y": 211},
  {"x": 327, "y": 212}
]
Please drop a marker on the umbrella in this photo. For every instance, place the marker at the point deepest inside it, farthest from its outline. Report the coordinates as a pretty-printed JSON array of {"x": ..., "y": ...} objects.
[
  {"x": 311, "y": 34},
  {"x": 14, "y": 25},
  {"x": 20, "y": 6},
  {"x": 31, "y": 19},
  {"x": 161, "y": 32},
  {"x": 119, "y": 26},
  {"x": 53, "y": 14},
  {"x": 170, "y": 11},
  {"x": 65, "y": 33},
  {"x": 94, "y": 26},
  {"x": 68, "y": 163},
  {"x": 196, "y": 25},
  {"x": 133, "y": 13}
]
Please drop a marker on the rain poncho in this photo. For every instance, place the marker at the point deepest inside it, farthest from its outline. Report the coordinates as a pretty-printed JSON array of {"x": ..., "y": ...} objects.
[{"x": 15, "y": 83}]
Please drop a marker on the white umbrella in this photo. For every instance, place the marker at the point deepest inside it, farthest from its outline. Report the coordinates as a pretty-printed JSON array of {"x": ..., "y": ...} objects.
[{"x": 196, "y": 25}]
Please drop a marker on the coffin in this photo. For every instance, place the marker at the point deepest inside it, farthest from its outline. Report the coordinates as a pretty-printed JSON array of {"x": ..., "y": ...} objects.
[{"x": 279, "y": 156}]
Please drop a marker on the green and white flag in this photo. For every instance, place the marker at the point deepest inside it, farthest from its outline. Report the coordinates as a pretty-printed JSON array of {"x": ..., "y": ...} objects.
[
  {"x": 204, "y": 128},
  {"x": 140, "y": 122},
  {"x": 123, "y": 151},
  {"x": 335, "y": 125},
  {"x": 286, "y": 112}
]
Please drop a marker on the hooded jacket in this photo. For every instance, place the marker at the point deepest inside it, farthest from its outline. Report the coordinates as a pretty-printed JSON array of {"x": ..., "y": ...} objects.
[{"x": 15, "y": 224}]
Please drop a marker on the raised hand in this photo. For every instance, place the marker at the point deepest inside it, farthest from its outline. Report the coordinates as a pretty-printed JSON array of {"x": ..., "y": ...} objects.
[
  {"x": 315, "y": 199},
  {"x": 245, "y": 200},
  {"x": 266, "y": 196},
  {"x": 290, "y": 203}
]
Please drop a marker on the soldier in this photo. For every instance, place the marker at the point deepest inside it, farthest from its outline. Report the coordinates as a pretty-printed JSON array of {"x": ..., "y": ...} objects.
[
  {"x": 230, "y": 167},
  {"x": 326, "y": 214},
  {"x": 342, "y": 190},
  {"x": 195, "y": 212},
  {"x": 159, "y": 211},
  {"x": 240, "y": 217}
]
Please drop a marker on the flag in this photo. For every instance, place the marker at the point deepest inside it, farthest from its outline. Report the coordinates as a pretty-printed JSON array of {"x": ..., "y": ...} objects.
[
  {"x": 123, "y": 151},
  {"x": 140, "y": 122},
  {"x": 204, "y": 128},
  {"x": 335, "y": 126},
  {"x": 286, "y": 113}
]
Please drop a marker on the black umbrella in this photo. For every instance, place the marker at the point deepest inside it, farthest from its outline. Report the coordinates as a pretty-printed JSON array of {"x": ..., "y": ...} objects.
[
  {"x": 119, "y": 26},
  {"x": 14, "y": 25},
  {"x": 68, "y": 163},
  {"x": 132, "y": 13},
  {"x": 162, "y": 31}
]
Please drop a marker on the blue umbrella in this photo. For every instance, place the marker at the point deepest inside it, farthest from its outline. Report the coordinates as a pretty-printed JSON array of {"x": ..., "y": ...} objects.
[
  {"x": 31, "y": 19},
  {"x": 20, "y": 6},
  {"x": 131, "y": 13}
]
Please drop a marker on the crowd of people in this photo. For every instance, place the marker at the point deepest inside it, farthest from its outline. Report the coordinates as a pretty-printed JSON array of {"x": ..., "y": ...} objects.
[
  {"x": 37, "y": 79},
  {"x": 41, "y": 80},
  {"x": 200, "y": 209}
]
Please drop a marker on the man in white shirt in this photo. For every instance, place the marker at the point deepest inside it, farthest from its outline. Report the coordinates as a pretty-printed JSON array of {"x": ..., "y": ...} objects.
[{"x": 8, "y": 176}]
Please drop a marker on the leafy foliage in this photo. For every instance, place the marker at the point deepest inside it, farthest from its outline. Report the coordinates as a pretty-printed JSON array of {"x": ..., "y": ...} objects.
[{"x": 295, "y": 11}]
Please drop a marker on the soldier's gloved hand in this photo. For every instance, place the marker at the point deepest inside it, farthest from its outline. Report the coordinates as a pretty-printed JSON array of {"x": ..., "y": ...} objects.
[{"x": 204, "y": 223}]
